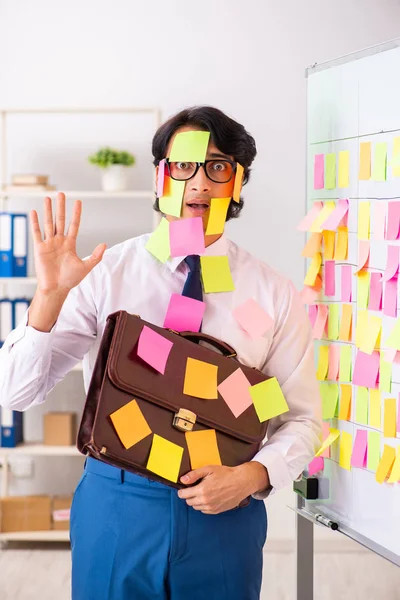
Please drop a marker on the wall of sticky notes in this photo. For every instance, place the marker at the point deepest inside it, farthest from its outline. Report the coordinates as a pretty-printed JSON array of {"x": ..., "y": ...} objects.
[{"x": 351, "y": 289}]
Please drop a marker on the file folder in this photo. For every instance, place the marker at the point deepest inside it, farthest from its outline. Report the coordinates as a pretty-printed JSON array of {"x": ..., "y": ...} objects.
[
  {"x": 20, "y": 306},
  {"x": 11, "y": 428},
  {"x": 6, "y": 318},
  {"x": 6, "y": 259},
  {"x": 19, "y": 244}
]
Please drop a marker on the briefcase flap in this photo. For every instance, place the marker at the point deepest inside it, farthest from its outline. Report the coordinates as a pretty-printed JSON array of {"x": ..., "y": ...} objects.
[{"x": 128, "y": 372}]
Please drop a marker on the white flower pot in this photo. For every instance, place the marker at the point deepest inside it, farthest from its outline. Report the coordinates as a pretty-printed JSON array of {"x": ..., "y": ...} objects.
[{"x": 115, "y": 178}]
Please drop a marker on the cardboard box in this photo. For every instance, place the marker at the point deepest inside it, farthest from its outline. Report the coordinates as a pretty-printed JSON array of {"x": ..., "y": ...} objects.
[
  {"x": 60, "y": 429},
  {"x": 60, "y": 512},
  {"x": 25, "y": 513}
]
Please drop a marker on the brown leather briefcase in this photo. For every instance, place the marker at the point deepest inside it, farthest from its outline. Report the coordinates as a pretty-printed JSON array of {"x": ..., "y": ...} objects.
[{"x": 120, "y": 376}]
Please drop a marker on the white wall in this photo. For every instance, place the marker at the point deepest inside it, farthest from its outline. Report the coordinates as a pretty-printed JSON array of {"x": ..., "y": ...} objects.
[{"x": 247, "y": 58}]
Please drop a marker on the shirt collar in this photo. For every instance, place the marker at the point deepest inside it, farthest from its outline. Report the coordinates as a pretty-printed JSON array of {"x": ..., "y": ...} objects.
[{"x": 218, "y": 248}]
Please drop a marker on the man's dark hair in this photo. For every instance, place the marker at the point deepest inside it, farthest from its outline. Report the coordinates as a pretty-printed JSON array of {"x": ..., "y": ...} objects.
[{"x": 228, "y": 135}]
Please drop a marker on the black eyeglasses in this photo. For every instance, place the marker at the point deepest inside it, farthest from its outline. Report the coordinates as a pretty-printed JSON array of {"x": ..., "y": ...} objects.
[{"x": 218, "y": 171}]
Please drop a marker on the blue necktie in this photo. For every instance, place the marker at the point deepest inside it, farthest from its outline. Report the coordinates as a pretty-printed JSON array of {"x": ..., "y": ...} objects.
[{"x": 192, "y": 287}]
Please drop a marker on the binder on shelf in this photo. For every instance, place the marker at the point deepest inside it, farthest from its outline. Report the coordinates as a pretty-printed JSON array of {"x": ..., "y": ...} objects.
[
  {"x": 20, "y": 306},
  {"x": 6, "y": 254},
  {"x": 19, "y": 244},
  {"x": 6, "y": 318},
  {"x": 11, "y": 428}
]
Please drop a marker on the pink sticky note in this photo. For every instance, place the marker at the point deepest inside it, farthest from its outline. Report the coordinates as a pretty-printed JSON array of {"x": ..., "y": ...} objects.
[
  {"x": 359, "y": 456},
  {"x": 186, "y": 237},
  {"x": 390, "y": 298},
  {"x": 337, "y": 216},
  {"x": 312, "y": 313},
  {"x": 310, "y": 217},
  {"x": 316, "y": 465},
  {"x": 366, "y": 369},
  {"x": 154, "y": 349},
  {"x": 320, "y": 322},
  {"x": 392, "y": 263},
  {"x": 308, "y": 295},
  {"x": 393, "y": 221},
  {"x": 329, "y": 277},
  {"x": 319, "y": 172},
  {"x": 254, "y": 319},
  {"x": 235, "y": 391},
  {"x": 325, "y": 433},
  {"x": 375, "y": 292},
  {"x": 334, "y": 358},
  {"x": 390, "y": 355},
  {"x": 346, "y": 283},
  {"x": 160, "y": 178},
  {"x": 363, "y": 255},
  {"x": 184, "y": 314},
  {"x": 379, "y": 220}
]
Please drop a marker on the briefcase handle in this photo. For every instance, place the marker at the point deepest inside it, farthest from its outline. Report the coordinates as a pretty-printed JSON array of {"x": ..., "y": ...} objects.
[{"x": 223, "y": 347}]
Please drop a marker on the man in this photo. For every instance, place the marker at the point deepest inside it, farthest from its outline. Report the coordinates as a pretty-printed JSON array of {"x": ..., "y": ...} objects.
[{"x": 132, "y": 537}]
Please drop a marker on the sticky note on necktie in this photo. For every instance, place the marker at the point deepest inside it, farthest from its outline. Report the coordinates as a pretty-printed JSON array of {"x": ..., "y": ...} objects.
[
  {"x": 154, "y": 349},
  {"x": 216, "y": 274},
  {"x": 307, "y": 221},
  {"x": 344, "y": 168},
  {"x": 318, "y": 172},
  {"x": 190, "y": 146},
  {"x": 158, "y": 242},
  {"x": 332, "y": 437},
  {"x": 366, "y": 369},
  {"x": 203, "y": 448},
  {"x": 165, "y": 458},
  {"x": 329, "y": 394},
  {"x": 364, "y": 173},
  {"x": 217, "y": 215},
  {"x": 268, "y": 399},
  {"x": 130, "y": 424},
  {"x": 171, "y": 202},
  {"x": 359, "y": 455},
  {"x": 389, "y": 422},
  {"x": 184, "y": 313},
  {"x": 186, "y": 237},
  {"x": 396, "y": 157},
  {"x": 235, "y": 390},
  {"x": 385, "y": 464},
  {"x": 200, "y": 379},
  {"x": 374, "y": 415},
  {"x": 330, "y": 171},
  {"x": 380, "y": 158},
  {"x": 345, "y": 448},
  {"x": 374, "y": 450},
  {"x": 238, "y": 182},
  {"x": 253, "y": 318},
  {"x": 361, "y": 416},
  {"x": 345, "y": 402}
]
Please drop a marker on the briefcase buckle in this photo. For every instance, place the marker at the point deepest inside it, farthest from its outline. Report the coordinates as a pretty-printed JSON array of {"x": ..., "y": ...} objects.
[{"x": 184, "y": 420}]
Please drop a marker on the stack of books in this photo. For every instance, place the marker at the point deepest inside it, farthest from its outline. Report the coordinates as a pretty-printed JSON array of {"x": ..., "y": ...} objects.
[{"x": 29, "y": 183}]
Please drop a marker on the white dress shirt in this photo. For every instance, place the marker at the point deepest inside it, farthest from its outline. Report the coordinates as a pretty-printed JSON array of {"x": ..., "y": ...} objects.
[{"x": 130, "y": 278}]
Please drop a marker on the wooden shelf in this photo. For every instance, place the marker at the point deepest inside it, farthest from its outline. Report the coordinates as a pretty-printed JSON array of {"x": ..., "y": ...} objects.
[
  {"x": 35, "y": 536},
  {"x": 77, "y": 195},
  {"x": 18, "y": 280},
  {"x": 39, "y": 449}
]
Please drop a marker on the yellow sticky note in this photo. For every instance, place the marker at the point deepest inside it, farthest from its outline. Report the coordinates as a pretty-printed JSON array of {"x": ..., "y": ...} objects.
[
  {"x": 396, "y": 157},
  {"x": 330, "y": 171},
  {"x": 371, "y": 334},
  {"x": 393, "y": 340},
  {"x": 333, "y": 436},
  {"x": 374, "y": 450},
  {"x": 363, "y": 279},
  {"x": 171, "y": 202},
  {"x": 345, "y": 449},
  {"x": 130, "y": 424},
  {"x": 203, "y": 448},
  {"x": 313, "y": 270},
  {"x": 238, "y": 182},
  {"x": 323, "y": 363},
  {"x": 190, "y": 146},
  {"x": 158, "y": 242},
  {"x": 329, "y": 394},
  {"x": 385, "y": 375},
  {"x": 345, "y": 363},
  {"x": 200, "y": 379},
  {"x": 165, "y": 458},
  {"x": 374, "y": 415},
  {"x": 380, "y": 158},
  {"x": 316, "y": 226},
  {"x": 345, "y": 402},
  {"x": 389, "y": 419},
  {"x": 216, "y": 274},
  {"x": 362, "y": 324},
  {"x": 329, "y": 244},
  {"x": 342, "y": 243},
  {"x": 313, "y": 245},
  {"x": 361, "y": 416},
  {"x": 364, "y": 172},
  {"x": 395, "y": 473},
  {"x": 333, "y": 321},
  {"x": 268, "y": 399},
  {"x": 386, "y": 463},
  {"x": 344, "y": 168},
  {"x": 345, "y": 323},
  {"x": 217, "y": 216},
  {"x": 363, "y": 220}
]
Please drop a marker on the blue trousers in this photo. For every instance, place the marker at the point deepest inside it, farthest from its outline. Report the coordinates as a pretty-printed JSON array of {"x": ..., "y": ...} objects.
[{"x": 135, "y": 539}]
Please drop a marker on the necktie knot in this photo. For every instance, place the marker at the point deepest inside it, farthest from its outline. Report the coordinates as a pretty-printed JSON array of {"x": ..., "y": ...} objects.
[{"x": 193, "y": 262}]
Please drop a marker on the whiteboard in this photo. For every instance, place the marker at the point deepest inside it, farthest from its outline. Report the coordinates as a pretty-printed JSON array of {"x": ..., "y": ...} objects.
[{"x": 351, "y": 100}]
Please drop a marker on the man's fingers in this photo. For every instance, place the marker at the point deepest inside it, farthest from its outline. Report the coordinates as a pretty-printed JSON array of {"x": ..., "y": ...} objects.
[
  {"x": 35, "y": 227},
  {"x": 95, "y": 257},
  {"x": 60, "y": 214},
  {"x": 48, "y": 218},
  {"x": 75, "y": 220}
]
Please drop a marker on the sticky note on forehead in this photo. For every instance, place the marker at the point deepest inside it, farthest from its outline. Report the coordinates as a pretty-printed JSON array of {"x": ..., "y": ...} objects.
[{"x": 190, "y": 146}]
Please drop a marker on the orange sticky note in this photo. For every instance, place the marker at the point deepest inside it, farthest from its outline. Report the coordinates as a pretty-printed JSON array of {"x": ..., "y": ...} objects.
[
  {"x": 130, "y": 424},
  {"x": 216, "y": 274},
  {"x": 342, "y": 243},
  {"x": 345, "y": 323},
  {"x": 389, "y": 422},
  {"x": 329, "y": 244},
  {"x": 203, "y": 448},
  {"x": 313, "y": 270},
  {"x": 345, "y": 402},
  {"x": 165, "y": 458},
  {"x": 386, "y": 463},
  {"x": 238, "y": 182},
  {"x": 200, "y": 379},
  {"x": 268, "y": 399},
  {"x": 217, "y": 217},
  {"x": 364, "y": 172},
  {"x": 313, "y": 245}
]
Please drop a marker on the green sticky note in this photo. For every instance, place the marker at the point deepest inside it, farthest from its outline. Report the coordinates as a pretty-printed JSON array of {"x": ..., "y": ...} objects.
[
  {"x": 268, "y": 399},
  {"x": 345, "y": 364},
  {"x": 171, "y": 203},
  {"x": 330, "y": 171},
  {"x": 363, "y": 278},
  {"x": 374, "y": 450},
  {"x": 216, "y": 274},
  {"x": 190, "y": 146},
  {"x": 158, "y": 242},
  {"x": 393, "y": 340},
  {"x": 330, "y": 395},
  {"x": 385, "y": 375},
  {"x": 362, "y": 406},
  {"x": 333, "y": 321},
  {"x": 380, "y": 161}
]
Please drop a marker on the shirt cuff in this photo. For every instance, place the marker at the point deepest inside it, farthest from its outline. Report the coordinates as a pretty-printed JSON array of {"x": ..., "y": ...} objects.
[
  {"x": 31, "y": 336},
  {"x": 277, "y": 468}
]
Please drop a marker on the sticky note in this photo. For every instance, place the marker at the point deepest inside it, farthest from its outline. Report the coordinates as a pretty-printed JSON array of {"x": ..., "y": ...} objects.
[
  {"x": 333, "y": 358},
  {"x": 333, "y": 321},
  {"x": 320, "y": 322},
  {"x": 345, "y": 449},
  {"x": 307, "y": 221},
  {"x": 393, "y": 220},
  {"x": 374, "y": 450},
  {"x": 366, "y": 369},
  {"x": 330, "y": 171},
  {"x": 203, "y": 448},
  {"x": 346, "y": 283},
  {"x": 325, "y": 434},
  {"x": 380, "y": 158},
  {"x": 364, "y": 172},
  {"x": 371, "y": 334},
  {"x": 379, "y": 220},
  {"x": 390, "y": 298},
  {"x": 385, "y": 375},
  {"x": 130, "y": 424},
  {"x": 374, "y": 414},
  {"x": 323, "y": 362},
  {"x": 327, "y": 209},
  {"x": 329, "y": 394},
  {"x": 361, "y": 416},
  {"x": 345, "y": 323},
  {"x": 171, "y": 202},
  {"x": 238, "y": 182},
  {"x": 386, "y": 463},
  {"x": 332, "y": 437},
  {"x": 392, "y": 263},
  {"x": 217, "y": 216},
  {"x": 330, "y": 278},
  {"x": 342, "y": 243},
  {"x": 160, "y": 178},
  {"x": 345, "y": 363},
  {"x": 345, "y": 402},
  {"x": 313, "y": 245},
  {"x": 158, "y": 242},
  {"x": 359, "y": 454},
  {"x": 165, "y": 458},
  {"x": 363, "y": 255},
  {"x": 186, "y": 236},
  {"x": 396, "y": 157},
  {"x": 313, "y": 270},
  {"x": 398, "y": 416},
  {"x": 363, "y": 220},
  {"x": 184, "y": 313},
  {"x": 363, "y": 278},
  {"x": 312, "y": 313},
  {"x": 315, "y": 466},
  {"x": 318, "y": 172},
  {"x": 154, "y": 349},
  {"x": 216, "y": 274},
  {"x": 395, "y": 472},
  {"x": 389, "y": 421},
  {"x": 200, "y": 379},
  {"x": 235, "y": 390},
  {"x": 390, "y": 355},
  {"x": 375, "y": 292},
  {"x": 190, "y": 146},
  {"x": 253, "y": 318},
  {"x": 329, "y": 244},
  {"x": 393, "y": 340},
  {"x": 344, "y": 168},
  {"x": 362, "y": 324},
  {"x": 268, "y": 399},
  {"x": 333, "y": 220},
  {"x": 309, "y": 295}
]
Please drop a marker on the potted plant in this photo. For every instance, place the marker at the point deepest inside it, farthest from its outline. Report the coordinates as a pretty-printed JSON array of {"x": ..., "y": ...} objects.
[{"x": 115, "y": 164}]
